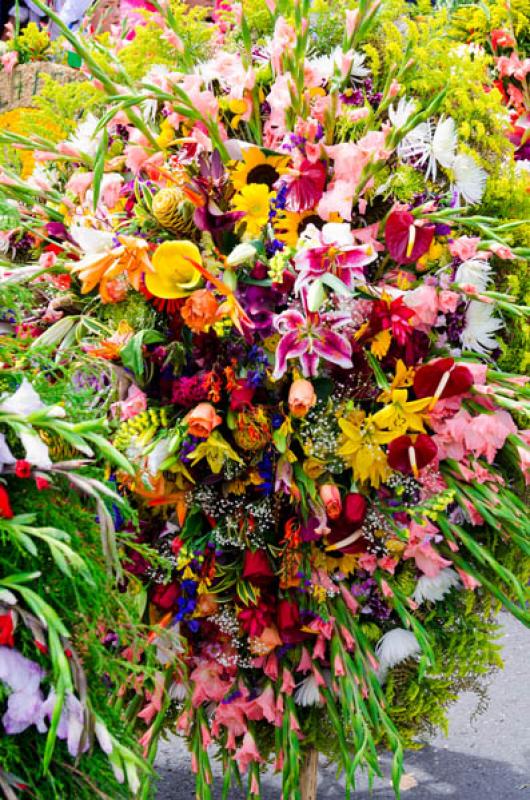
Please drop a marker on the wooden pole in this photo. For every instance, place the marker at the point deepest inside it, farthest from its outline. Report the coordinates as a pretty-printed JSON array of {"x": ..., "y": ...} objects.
[{"x": 309, "y": 776}]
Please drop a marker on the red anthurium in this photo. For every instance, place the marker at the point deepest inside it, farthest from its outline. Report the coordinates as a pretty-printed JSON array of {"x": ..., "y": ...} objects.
[
  {"x": 6, "y": 630},
  {"x": 409, "y": 454},
  {"x": 257, "y": 568},
  {"x": 442, "y": 378},
  {"x": 5, "y": 506},
  {"x": 346, "y": 535},
  {"x": 407, "y": 238}
]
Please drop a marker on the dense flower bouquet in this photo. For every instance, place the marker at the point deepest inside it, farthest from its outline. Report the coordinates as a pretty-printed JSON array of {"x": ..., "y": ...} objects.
[{"x": 281, "y": 264}]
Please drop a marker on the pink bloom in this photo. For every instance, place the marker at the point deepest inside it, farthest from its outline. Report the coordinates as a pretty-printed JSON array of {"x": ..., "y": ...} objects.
[
  {"x": 465, "y": 247},
  {"x": 135, "y": 403},
  {"x": 79, "y": 183},
  {"x": 352, "y": 17},
  {"x": 424, "y": 302},
  {"x": 232, "y": 716},
  {"x": 263, "y": 706},
  {"x": 338, "y": 667},
  {"x": 428, "y": 560},
  {"x": 501, "y": 251},
  {"x": 333, "y": 250},
  {"x": 283, "y": 42},
  {"x": 387, "y": 563},
  {"x": 47, "y": 260},
  {"x": 385, "y": 588},
  {"x": 448, "y": 301},
  {"x": 349, "y": 599},
  {"x": 368, "y": 562},
  {"x": 468, "y": 580},
  {"x": 288, "y": 682},
  {"x": 208, "y": 684},
  {"x": 9, "y": 61},
  {"x": 247, "y": 753},
  {"x": 305, "y": 664},
  {"x": 524, "y": 455}
]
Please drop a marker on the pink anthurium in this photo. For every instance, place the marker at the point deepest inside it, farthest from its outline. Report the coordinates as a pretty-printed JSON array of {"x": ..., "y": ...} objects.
[{"x": 407, "y": 238}]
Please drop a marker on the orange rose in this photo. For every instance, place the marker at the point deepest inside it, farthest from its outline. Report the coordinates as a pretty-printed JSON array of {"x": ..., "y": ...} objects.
[
  {"x": 202, "y": 420},
  {"x": 330, "y": 496},
  {"x": 302, "y": 397},
  {"x": 199, "y": 310}
]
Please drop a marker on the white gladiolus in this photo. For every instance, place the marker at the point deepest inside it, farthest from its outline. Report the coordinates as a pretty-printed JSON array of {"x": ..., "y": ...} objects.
[
  {"x": 36, "y": 451},
  {"x": 394, "y": 647},
  {"x": 23, "y": 402},
  {"x": 85, "y": 139},
  {"x": 307, "y": 693},
  {"x": 434, "y": 589},
  {"x": 103, "y": 736},
  {"x": 6, "y": 456}
]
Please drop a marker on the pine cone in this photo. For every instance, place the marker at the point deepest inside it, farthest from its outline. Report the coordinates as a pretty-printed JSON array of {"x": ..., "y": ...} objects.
[{"x": 173, "y": 212}]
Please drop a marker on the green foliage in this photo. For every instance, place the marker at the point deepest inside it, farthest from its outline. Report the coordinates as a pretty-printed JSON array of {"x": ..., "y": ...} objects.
[
  {"x": 32, "y": 44},
  {"x": 68, "y": 102}
]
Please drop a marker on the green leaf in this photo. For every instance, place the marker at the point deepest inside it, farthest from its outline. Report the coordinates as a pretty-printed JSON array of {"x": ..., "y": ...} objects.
[
  {"x": 132, "y": 354},
  {"x": 99, "y": 166},
  {"x": 110, "y": 452}
]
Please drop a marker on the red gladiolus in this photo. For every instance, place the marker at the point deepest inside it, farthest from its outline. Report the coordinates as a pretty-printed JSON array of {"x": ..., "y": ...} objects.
[
  {"x": 5, "y": 507},
  {"x": 355, "y": 507},
  {"x": 6, "y": 630},
  {"x": 441, "y": 379},
  {"x": 42, "y": 484},
  {"x": 257, "y": 568},
  {"x": 254, "y": 619},
  {"x": 409, "y": 454},
  {"x": 500, "y": 38},
  {"x": 22, "y": 469},
  {"x": 407, "y": 238}
]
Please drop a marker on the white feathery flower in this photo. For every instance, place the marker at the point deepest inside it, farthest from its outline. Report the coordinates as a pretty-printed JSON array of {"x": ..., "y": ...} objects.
[
  {"x": 394, "y": 647},
  {"x": 470, "y": 179},
  {"x": 434, "y": 589},
  {"x": 429, "y": 144},
  {"x": 307, "y": 692},
  {"x": 401, "y": 114},
  {"x": 85, "y": 139},
  {"x": 325, "y": 66},
  {"x": 481, "y": 327},
  {"x": 178, "y": 691},
  {"x": 475, "y": 271}
]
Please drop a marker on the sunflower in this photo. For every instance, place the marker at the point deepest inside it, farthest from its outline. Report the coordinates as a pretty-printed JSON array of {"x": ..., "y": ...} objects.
[
  {"x": 256, "y": 167},
  {"x": 254, "y": 201},
  {"x": 290, "y": 225}
]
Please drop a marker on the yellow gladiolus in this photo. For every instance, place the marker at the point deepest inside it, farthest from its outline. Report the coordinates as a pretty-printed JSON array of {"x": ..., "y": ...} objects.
[{"x": 174, "y": 274}]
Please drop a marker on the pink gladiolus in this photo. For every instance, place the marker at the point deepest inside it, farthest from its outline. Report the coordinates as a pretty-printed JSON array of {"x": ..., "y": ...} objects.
[
  {"x": 9, "y": 61},
  {"x": 305, "y": 664},
  {"x": 368, "y": 562},
  {"x": 386, "y": 589},
  {"x": 468, "y": 580},
  {"x": 338, "y": 667},
  {"x": 349, "y": 599},
  {"x": 465, "y": 247},
  {"x": 247, "y": 753},
  {"x": 207, "y": 683},
  {"x": 288, "y": 682},
  {"x": 263, "y": 706},
  {"x": 428, "y": 560}
]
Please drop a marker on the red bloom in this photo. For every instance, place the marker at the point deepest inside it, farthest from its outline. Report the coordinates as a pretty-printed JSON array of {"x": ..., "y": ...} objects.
[
  {"x": 22, "y": 469},
  {"x": 289, "y": 622},
  {"x": 165, "y": 595},
  {"x": 305, "y": 185},
  {"x": 442, "y": 378},
  {"x": 176, "y": 545},
  {"x": 355, "y": 506},
  {"x": 5, "y": 507},
  {"x": 254, "y": 619},
  {"x": 41, "y": 484},
  {"x": 407, "y": 238},
  {"x": 257, "y": 568},
  {"x": 500, "y": 38},
  {"x": 409, "y": 454},
  {"x": 241, "y": 396},
  {"x": 6, "y": 630}
]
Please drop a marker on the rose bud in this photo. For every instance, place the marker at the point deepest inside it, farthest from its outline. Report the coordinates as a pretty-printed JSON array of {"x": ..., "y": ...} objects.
[
  {"x": 330, "y": 496},
  {"x": 355, "y": 506},
  {"x": 301, "y": 398},
  {"x": 257, "y": 568},
  {"x": 202, "y": 420}
]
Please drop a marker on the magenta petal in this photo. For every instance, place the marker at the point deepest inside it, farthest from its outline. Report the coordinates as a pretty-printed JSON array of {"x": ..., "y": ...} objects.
[
  {"x": 289, "y": 346},
  {"x": 333, "y": 347},
  {"x": 309, "y": 361},
  {"x": 289, "y": 320},
  {"x": 397, "y": 233}
]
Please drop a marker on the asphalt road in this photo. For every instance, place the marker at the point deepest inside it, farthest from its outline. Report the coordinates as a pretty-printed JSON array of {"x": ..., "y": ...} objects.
[{"x": 484, "y": 759}]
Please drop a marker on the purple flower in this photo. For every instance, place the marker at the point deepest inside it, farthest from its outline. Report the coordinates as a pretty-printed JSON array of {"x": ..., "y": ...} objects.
[{"x": 25, "y": 703}]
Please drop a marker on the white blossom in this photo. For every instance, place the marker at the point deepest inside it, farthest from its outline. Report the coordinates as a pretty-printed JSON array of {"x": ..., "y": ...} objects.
[
  {"x": 481, "y": 327},
  {"x": 434, "y": 589},
  {"x": 470, "y": 179}
]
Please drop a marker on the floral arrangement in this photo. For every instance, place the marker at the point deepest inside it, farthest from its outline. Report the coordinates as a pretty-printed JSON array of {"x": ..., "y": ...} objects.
[{"x": 280, "y": 268}]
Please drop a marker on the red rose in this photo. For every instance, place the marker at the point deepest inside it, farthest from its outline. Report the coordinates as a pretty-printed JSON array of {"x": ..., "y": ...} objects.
[
  {"x": 257, "y": 568},
  {"x": 410, "y": 454},
  {"x": 6, "y": 630},
  {"x": 355, "y": 506},
  {"x": 22, "y": 469},
  {"x": 5, "y": 507},
  {"x": 165, "y": 595}
]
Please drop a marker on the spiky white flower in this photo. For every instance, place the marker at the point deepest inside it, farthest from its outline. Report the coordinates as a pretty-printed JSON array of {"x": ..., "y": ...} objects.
[
  {"x": 481, "y": 327},
  {"x": 85, "y": 139},
  {"x": 394, "y": 647},
  {"x": 326, "y": 65},
  {"x": 434, "y": 589},
  {"x": 402, "y": 112},
  {"x": 474, "y": 271},
  {"x": 429, "y": 145},
  {"x": 307, "y": 692},
  {"x": 470, "y": 179}
]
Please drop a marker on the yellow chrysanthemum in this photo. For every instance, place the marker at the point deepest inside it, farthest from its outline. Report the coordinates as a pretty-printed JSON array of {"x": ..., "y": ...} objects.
[
  {"x": 174, "y": 274},
  {"x": 253, "y": 200},
  {"x": 256, "y": 167}
]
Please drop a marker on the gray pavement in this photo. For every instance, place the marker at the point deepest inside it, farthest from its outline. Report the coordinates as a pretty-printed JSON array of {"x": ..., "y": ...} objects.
[{"x": 484, "y": 759}]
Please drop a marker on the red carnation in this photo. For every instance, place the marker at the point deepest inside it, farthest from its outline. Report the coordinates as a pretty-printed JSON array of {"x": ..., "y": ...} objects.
[
  {"x": 257, "y": 568},
  {"x": 5, "y": 507},
  {"x": 442, "y": 378},
  {"x": 22, "y": 469},
  {"x": 6, "y": 630},
  {"x": 409, "y": 454},
  {"x": 407, "y": 238}
]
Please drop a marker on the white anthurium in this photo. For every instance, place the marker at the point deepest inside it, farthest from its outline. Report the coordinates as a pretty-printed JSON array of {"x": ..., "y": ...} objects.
[
  {"x": 475, "y": 271},
  {"x": 307, "y": 693},
  {"x": 241, "y": 254},
  {"x": 480, "y": 328},
  {"x": 6, "y": 456},
  {"x": 394, "y": 647},
  {"x": 403, "y": 111},
  {"x": 36, "y": 450},
  {"x": 430, "y": 144},
  {"x": 432, "y": 590},
  {"x": 469, "y": 178},
  {"x": 85, "y": 139}
]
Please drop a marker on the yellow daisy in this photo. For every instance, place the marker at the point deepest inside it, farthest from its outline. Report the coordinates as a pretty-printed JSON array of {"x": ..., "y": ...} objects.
[
  {"x": 256, "y": 167},
  {"x": 254, "y": 201}
]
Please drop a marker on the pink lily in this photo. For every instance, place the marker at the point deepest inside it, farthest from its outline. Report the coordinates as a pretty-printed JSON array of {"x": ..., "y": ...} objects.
[
  {"x": 333, "y": 250},
  {"x": 310, "y": 336}
]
